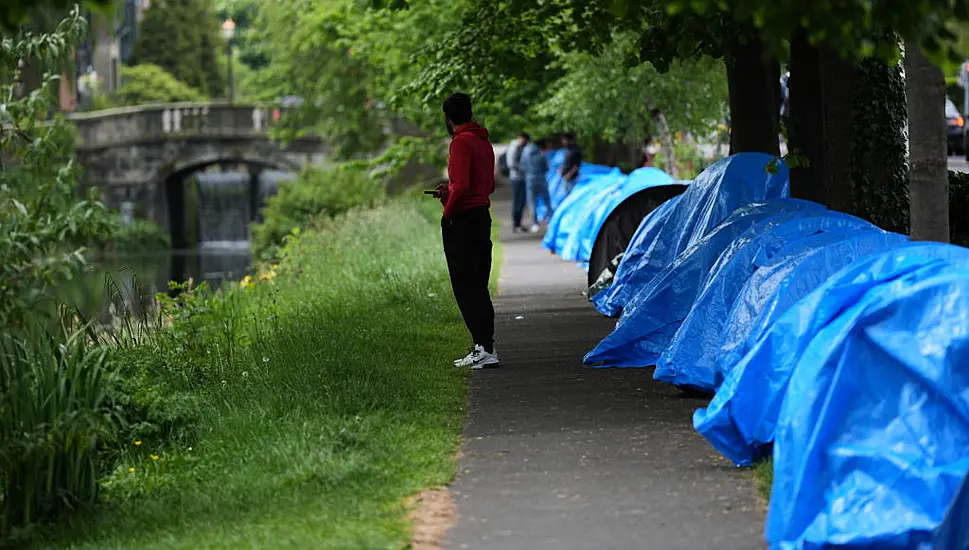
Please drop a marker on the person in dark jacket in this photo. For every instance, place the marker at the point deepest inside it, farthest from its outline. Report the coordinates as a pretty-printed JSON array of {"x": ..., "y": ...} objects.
[
  {"x": 570, "y": 166},
  {"x": 466, "y": 227}
]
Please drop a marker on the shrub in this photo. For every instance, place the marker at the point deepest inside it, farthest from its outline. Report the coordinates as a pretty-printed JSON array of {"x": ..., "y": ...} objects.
[
  {"x": 317, "y": 193},
  {"x": 44, "y": 224},
  {"x": 55, "y": 413},
  {"x": 147, "y": 83}
]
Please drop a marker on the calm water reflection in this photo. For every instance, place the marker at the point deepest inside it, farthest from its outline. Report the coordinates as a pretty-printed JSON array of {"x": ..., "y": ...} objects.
[{"x": 128, "y": 284}]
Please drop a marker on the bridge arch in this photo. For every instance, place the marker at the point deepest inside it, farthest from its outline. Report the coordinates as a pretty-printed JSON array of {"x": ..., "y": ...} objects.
[
  {"x": 142, "y": 155},
  {"x": 174, "y": 178}
]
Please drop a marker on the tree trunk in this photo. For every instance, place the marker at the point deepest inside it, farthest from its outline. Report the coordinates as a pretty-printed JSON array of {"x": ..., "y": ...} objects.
[
  {"x": 665, "y": 141},
  {"x": 838, "y": 78},
  {"x": 821, "y": 125},
  {"x": 806, "y": 131},
  {"x": 881, "y": 173},
  {"x": 753, "y": 79},
  {"x": 928, "y": 173}
]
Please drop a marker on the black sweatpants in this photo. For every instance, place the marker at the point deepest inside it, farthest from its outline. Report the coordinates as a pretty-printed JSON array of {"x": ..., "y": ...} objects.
[{"x": 467, "y": 247}]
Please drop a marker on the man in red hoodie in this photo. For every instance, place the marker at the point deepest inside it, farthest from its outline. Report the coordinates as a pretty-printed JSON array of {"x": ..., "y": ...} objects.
[{"x": 466, "y": 227}]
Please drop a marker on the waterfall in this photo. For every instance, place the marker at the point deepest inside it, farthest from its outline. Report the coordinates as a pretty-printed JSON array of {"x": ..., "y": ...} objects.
[
  {"x": 224, "y": 210},
  {"x": 269, "y": 181}
]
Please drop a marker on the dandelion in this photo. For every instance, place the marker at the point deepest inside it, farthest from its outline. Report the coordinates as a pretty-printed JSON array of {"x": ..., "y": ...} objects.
[
  {"x": 246, "y": 282},
  {"x": 154, "y": 457},
  {"x": 137, "y": 443},
  {"x": 131, "y": 470}
]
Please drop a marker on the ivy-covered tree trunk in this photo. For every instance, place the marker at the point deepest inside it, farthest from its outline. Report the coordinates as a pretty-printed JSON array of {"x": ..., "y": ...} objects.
[
  {"x": 878, "y": 146},
  {"x": 928, "y": 177},
  {"x": 753, "y": 79}
]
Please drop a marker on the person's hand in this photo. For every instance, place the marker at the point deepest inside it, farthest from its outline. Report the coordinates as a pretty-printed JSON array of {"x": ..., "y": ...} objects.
[{"x": 441, "y": 192}]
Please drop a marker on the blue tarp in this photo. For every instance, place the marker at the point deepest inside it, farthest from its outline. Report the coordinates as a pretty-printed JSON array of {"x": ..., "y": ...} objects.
[
  {"x": 556, "y": 186},
  {"x": 594, "y": 210},
  {"x": 690, "y": 359},
  {"x": 778, "y": 285},
  {"x": 727, "y": 185},
  {"x": 653, "y": 315},
  {"x": 566, "y": 219},
  {"x": 741, "y": 418},
  {"x": 845, "y": 346},
  {"x": 635, "y": 250},
  {"x": 872, "y": 441}
]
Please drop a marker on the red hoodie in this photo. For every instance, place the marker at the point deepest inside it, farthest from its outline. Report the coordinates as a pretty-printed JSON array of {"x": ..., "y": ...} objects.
[{"x": 471, "y": 170}]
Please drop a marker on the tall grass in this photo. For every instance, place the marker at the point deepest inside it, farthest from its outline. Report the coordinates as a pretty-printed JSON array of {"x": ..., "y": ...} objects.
[
  {"x": 55, "y": 413},
  {"x": 326, "y": 397}
]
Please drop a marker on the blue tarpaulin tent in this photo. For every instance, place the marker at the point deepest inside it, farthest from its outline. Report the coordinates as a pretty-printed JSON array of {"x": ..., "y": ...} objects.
[
  {"x": 646, "y": 233},
  {"x": 742, "y": 416},
  {"x": 727, "y": 185},
  {"x": 842, "y": 345},
  {"x": 566, "y": 219},
  {"x": 779, "y": 284},
  {"x": 654, "y": 314},
  {"x": 873, "y": 433},
  {"x": 690, "y": 359},
  {"x": 593, "y": 211}
]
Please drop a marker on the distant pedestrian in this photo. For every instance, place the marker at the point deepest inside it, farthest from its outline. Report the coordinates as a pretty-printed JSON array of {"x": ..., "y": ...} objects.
[
  {"x": 516, "y": 175},
  {"x": 535, "y": 164},
  {"x": 570, "y": 166},
  {"x": 466, "y": 227}
]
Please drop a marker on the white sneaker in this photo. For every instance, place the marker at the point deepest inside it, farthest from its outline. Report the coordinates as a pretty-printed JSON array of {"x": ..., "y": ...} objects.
[
  {"x": 535, "y": 228},
  {"x": 466, "y": 358},
  {"x": 478, "y": 359}
]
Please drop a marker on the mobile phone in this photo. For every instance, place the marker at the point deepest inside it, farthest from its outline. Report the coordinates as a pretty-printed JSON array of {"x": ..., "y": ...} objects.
[{"x": 430, "y": 191}]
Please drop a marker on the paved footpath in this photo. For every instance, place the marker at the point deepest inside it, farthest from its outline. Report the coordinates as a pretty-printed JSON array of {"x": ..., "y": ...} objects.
[{"x": 560, "y": 456}]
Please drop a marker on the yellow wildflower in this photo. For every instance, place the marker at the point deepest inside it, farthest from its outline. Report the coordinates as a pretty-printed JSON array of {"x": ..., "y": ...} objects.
[
  {"x": 137, "y": 443},
  {"x": 267, "y": 276},
  {"x": 154, "y": 457},
  {"x": 274, "y": 267},
  {"x": 246, "y": 282},
  {"x": 131, "y": 470}
]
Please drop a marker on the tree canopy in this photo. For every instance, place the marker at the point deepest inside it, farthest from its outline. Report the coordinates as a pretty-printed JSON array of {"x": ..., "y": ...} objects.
[{"x": 183, "y": 38}]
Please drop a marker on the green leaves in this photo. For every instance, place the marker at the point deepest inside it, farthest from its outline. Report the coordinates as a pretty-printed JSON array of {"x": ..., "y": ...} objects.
[
  {"x": 15, "y": 13},
  {"x": 599, "y": 97},
  {"x": 846, "y": 26},
  {"x": 183, "y": 38},
  {"x": 147, "y": 83},
  {"x": 44, "y": 224}
]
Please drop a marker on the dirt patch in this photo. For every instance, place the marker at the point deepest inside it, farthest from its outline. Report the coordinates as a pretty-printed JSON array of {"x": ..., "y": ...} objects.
[{"x": 432, "y": 514}]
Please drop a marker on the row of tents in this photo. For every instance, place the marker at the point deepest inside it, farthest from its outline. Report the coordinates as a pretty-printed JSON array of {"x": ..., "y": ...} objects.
[{"x": 836, "y": 348}]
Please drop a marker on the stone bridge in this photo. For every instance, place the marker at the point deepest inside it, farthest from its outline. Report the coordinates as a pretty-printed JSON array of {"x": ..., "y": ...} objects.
[{"x": 143, "y": 155}]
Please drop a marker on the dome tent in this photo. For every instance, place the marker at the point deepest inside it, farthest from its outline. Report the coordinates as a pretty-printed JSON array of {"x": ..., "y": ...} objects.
[
  {"x": 621, "y": 225},
  {"x": 714, "y": 195}
]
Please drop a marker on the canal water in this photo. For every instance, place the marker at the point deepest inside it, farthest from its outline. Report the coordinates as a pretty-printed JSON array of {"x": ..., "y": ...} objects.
[{"x": 127, "y": 284}]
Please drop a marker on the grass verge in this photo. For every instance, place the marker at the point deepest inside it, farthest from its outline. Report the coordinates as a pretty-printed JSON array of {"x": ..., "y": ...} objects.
[
  {"x": 327, "y": 399},
  {"x": 764, "y": 478}
]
